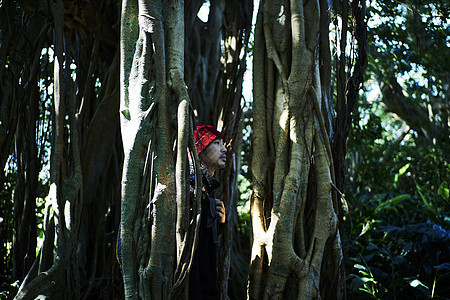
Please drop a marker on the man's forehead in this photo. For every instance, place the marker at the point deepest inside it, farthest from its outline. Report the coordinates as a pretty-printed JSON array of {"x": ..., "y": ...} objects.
[{"x": 216, "y": 139}]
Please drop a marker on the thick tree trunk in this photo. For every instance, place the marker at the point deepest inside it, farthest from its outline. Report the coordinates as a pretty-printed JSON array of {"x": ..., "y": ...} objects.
[
  {"x": 296, "y": 250},
  {"x": 152, "y": 61}
]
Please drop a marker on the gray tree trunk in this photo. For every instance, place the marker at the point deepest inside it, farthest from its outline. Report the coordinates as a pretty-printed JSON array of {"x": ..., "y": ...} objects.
[
  {"x": 296, "y": 250},
  {"x": 156, "y": 238}
]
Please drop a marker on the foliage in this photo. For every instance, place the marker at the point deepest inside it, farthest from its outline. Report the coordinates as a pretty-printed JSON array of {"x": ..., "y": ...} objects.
[
  {"x": 398, "y": 233},
  {"x": 400, "y": 262},
  {"x": 397, "y": 229},
  {"x": 408, "y": 44},
  {"x": 409, "y": 36}
]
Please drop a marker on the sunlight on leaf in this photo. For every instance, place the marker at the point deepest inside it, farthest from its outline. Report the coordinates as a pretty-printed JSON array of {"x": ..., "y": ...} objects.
[
  {"x": 401, "y": 172},
  {"x": 366, "y": 227},
  {"x": 443, "y": 190},
  {"x": 416, "y": 283}
]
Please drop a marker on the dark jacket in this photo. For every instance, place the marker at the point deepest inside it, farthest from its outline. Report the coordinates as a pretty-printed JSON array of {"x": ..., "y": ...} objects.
[{"x": 203, "y": 282}]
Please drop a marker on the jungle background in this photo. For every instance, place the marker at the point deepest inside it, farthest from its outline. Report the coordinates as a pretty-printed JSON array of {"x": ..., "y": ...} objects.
[{"x": 395, "y": 228}]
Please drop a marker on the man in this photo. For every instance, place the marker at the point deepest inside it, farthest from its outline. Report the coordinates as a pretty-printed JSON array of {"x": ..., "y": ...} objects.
[{"x": 203, "y": 282}]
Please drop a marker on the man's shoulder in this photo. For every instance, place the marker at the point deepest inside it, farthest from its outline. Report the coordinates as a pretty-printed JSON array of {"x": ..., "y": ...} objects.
[{"x": 209, "y": 181}]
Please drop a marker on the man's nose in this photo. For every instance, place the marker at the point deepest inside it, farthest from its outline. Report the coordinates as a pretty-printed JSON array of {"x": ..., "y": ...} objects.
[{"x": 224, "y": 149}]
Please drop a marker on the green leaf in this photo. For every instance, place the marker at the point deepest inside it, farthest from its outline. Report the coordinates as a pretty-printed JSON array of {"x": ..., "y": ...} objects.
[
  {"x": 366, "y": 290},
  {"x": 403, "y": 169},
  {"x": 416, "y": 283},
  {"x": 443, "y": 190},
  {"x": 424, "y": 199},
  {"x": 444, "y": 266},
  {"x": 363, "y": 271},
  {"x": 401, "y": 172},
  {"x": 356, "y": 282},
  {"x": 126, "y": 114},
  {"x": 367, "y": 279},
  {"x": 392, "y": 201},
  {"x": 359, "y": 267}
]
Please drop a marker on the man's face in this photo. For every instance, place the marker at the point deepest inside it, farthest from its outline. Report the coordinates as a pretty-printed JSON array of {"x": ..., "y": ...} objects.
[{"x": 214, "y": 156}]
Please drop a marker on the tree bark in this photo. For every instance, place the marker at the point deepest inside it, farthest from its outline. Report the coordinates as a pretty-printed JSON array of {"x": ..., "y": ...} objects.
[
  {"x": 19, "y": 112},
  {"x": 152, "y": 79},
  {"x": 73, "y": 259},
  {"x": 296, "y": 250},
  {"x": 348, "y": 80}
]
